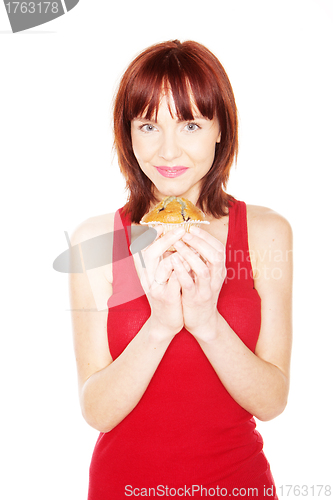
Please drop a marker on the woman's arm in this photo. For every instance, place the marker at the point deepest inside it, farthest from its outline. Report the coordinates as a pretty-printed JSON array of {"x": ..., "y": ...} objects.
[
  {"x": 109, "y": 389},
  {"x": 258, "y": 381}
]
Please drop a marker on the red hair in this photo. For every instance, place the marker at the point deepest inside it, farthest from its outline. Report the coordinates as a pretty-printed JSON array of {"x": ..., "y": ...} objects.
[{"x": 190, "y": 70}]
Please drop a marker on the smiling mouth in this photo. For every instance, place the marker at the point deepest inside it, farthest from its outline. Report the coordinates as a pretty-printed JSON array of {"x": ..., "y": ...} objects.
[{"x": 171, "y": 171}]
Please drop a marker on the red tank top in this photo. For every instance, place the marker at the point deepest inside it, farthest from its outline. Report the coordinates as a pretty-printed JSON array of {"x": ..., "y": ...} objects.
[{"x": 187, "y": 436}]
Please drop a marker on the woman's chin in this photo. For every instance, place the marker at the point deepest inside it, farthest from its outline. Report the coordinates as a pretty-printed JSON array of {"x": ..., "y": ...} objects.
[{"x": 180, "y": 192}]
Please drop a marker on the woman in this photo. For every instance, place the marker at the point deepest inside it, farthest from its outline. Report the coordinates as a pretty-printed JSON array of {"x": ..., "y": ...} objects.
[{"x": 194, "y": 343}]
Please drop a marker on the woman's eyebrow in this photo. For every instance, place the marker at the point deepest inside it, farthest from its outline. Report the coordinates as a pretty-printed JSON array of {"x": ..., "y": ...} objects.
[
  {"x": 179, "y": 120},
  {"x": 143, "y": 119},
  {"x": 199, "y": 117},
  {"x": 195, "y": 117}
]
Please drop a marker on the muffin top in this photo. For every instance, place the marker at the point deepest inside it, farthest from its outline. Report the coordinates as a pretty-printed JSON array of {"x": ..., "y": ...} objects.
[{"x": 174, "y": 210}]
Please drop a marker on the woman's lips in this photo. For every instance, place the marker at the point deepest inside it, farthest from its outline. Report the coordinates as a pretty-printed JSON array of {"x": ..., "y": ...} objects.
[{"x": 171, "y": 171}]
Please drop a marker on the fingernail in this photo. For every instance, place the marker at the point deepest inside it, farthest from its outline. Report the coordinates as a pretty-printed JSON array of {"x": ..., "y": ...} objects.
[
  {"x": 175, "y": 259},
  {"x": 178, "y": 231},
  {"x": 194, "y": 230}
]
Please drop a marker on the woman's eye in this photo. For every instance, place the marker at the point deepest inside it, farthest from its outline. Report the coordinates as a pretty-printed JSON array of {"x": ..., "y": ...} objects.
[
  {"x": 191, "y": 127},
  {"x": 147, "y": 127}
]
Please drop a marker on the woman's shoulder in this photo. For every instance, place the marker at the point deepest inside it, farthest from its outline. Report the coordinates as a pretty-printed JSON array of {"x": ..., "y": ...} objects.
[
  {"x": 91, "y": 227},
  {"x": 100, "y": 278},
  {"x": 264, "y": 220},
  {"x": 268, "y": 229}
]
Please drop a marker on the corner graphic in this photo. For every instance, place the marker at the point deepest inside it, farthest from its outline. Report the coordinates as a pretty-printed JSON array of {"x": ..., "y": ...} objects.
[{"x": 25, "y": 15}]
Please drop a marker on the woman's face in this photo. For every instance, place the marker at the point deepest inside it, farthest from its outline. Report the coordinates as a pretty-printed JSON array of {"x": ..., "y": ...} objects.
[{"x": 174, "y": 154}]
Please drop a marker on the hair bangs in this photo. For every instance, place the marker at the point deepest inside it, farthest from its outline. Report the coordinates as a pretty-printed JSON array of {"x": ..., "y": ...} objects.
[
  {"x": 192, "y": 89},
  {"x": 184, "y": 82}
]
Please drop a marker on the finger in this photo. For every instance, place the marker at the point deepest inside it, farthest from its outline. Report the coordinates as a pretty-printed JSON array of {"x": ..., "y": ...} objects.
[
  {"x": 185, "y": 280},
  {"x": 163, "y": 243},
  {"x": 215, "y": 264},
  {"x": 211, "y": 249},
  {"x": 153, "y": 276},
  {"x": 206, "y": 236},
  {"x": 192, "y": 258},
  {"x": 185, "y": 263},
  {"x": 173, "y": 286},
  {"x": 202, "y": 272},
  {"x": 159, "y": 230},
  {"x": 163, "y": 271}
]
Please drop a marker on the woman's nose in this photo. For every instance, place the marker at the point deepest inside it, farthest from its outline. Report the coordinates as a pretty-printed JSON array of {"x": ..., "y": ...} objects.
[{"x": 169, "y": 148}]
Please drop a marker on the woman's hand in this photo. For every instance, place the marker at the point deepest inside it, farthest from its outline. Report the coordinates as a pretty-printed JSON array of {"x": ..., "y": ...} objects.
[
  {"x": 160, "y": 283},
  {"x": 200, "y": 287}
]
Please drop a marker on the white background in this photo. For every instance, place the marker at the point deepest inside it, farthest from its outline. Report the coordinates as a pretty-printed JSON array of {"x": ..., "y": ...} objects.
[{"x": 57, "y": 82}]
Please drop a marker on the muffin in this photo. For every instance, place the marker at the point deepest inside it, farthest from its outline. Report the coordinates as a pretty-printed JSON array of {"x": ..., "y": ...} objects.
[{"x": 173, "y": 211}]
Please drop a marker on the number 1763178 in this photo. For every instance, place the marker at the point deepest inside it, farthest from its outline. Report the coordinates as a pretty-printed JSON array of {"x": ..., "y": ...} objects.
[{"x": 303, "y": 490}]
